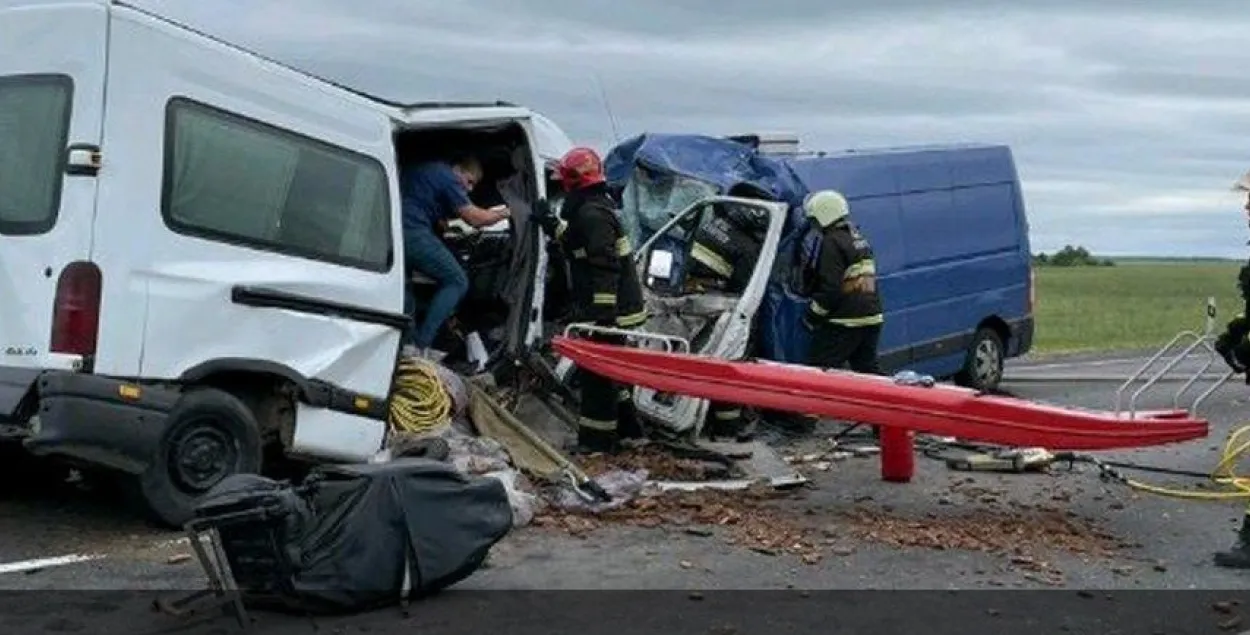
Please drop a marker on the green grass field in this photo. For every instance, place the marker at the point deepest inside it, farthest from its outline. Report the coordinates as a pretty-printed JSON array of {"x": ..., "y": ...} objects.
[{"x": 1134, "y": 305}]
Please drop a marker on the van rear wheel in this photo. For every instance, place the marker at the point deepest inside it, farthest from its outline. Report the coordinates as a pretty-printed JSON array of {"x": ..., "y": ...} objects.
[
  {"x": 983, "y": 368},
  {"x": 210, "y": 435}
]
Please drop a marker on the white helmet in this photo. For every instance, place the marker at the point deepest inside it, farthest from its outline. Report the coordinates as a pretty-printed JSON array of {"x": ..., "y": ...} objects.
[{"x": 826, "y": 207}]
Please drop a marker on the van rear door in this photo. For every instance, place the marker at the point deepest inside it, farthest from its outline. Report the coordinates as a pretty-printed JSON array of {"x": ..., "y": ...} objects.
[{"x": 52, "y": 60}]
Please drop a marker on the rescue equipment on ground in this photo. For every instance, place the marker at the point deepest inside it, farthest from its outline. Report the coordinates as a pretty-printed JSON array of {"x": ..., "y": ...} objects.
[{"x": 419, "y": 403}]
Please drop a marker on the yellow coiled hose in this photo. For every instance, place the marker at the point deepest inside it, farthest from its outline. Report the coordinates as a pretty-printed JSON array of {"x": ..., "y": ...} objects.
[
  {"x": 420, "y": 402},
  {"x": 1237, "y": 487}
]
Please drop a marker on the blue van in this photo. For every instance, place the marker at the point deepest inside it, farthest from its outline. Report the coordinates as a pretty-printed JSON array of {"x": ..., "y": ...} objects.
[
  {"x": 947, "y": 223},
  {"x": 951, "y": 237}
]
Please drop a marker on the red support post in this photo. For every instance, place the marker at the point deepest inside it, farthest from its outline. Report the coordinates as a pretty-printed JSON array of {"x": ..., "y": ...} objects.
[{"x": 898, "y": 456}]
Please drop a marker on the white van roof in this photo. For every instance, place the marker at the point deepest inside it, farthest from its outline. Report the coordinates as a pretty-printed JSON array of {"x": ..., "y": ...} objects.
[
  {"x": 551, "y": 140},
  {"x": 403, "y": 112}
]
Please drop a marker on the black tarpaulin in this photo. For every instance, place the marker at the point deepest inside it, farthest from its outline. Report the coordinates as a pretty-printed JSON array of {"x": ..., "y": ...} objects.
[{"x": 372, "y": 523}]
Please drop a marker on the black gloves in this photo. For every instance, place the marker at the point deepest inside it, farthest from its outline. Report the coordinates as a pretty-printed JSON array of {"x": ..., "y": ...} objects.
[{"x": 546, "y": 218}]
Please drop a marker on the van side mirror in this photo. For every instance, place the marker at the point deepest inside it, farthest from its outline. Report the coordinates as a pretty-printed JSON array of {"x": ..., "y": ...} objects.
[{"x": 660, "y": 264}]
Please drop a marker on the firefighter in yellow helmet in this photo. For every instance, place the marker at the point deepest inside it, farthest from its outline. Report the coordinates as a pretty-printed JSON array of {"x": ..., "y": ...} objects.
[{"x": 845, "y": 314}]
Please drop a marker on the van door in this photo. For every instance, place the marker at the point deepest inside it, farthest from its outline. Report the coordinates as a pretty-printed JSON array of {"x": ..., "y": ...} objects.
[
  {"x": 52, "y": 60},
  {"x": 247, "y": 223},
  {"x": 716, "y": 323}
]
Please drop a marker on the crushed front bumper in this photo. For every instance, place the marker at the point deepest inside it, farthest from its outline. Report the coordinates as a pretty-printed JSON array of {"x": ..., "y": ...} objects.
[{"x": 99, "y": 421}]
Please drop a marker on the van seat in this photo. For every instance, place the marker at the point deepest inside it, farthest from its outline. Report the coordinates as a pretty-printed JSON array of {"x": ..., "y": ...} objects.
[{"x": 688, "y": 316}]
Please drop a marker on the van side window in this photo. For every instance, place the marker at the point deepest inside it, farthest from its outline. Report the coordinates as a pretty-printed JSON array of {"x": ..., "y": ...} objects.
[
  {"x": 238, "y": 181},
  {"x": 34, "y": 131}
]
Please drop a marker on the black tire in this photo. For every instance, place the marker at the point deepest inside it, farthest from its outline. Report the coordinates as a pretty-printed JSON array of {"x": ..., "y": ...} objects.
[
  {"x": 983, "y": 368},
  {"x": 214, "y": 429}
]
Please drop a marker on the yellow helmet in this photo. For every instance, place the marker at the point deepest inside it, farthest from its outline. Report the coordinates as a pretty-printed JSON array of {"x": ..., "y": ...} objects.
[{"x": 826, "y": 207}]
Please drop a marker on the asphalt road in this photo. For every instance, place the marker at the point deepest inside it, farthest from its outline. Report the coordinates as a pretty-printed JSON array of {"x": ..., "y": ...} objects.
[{"x": 1171, "y": 540}]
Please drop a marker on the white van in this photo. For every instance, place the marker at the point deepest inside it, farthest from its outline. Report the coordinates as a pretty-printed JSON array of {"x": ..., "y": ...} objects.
[
  {"x": 200, "y": 249},
  {"x": 200, "y": 252}
]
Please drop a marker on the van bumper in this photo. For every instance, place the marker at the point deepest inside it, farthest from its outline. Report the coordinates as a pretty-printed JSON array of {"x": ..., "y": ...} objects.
[
  {"x": 16, "y": 391},
  {"x": 88, "y": 419},
  {"x": 1022, "y": 331}
]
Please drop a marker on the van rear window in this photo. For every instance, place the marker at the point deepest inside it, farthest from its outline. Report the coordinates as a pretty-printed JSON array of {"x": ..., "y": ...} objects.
[
  {"x": 235, "y": 180},
  {"x": 34, "y": 131}
]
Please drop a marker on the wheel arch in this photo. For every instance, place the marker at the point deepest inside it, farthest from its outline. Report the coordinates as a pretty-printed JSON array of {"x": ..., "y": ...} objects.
[
  {"x": 267, "y": 387},
  {"x": 997, "y": 324}
]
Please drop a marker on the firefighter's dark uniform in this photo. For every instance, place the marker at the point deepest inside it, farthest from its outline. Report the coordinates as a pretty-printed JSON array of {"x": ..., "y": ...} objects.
[
  {"x": 606, "y": 291},
  {"x": 725, "y": 250},
  {"x": 845, "y": 312},
  {"x": 1234, "y": 346}
]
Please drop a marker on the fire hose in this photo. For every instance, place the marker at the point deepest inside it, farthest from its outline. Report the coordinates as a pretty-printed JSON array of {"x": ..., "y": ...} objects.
[
  {"x": 991, "y": 458},
  {"x": 1236, "y": 486},
  {"x": 419, "y": 402}
]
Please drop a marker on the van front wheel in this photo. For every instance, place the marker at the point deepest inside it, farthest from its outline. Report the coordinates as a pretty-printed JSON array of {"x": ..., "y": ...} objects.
[
  {"x": 210, "y": 435},
  {"x": 983, "y": 369}
]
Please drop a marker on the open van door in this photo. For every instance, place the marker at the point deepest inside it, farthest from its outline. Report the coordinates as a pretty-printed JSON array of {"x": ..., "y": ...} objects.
[
  {"x": 715, "y": 322},
  {"x": 52, "y": 60}
]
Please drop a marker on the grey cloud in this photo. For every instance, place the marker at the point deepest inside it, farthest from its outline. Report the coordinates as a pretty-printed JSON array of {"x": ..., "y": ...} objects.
[
  {"x": 1109, "y": 107},
  {"x": 1192, "y": 86}
]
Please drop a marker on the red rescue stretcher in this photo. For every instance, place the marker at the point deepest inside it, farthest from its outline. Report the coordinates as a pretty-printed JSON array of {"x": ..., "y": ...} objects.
[{"x": 942, "y": 410}]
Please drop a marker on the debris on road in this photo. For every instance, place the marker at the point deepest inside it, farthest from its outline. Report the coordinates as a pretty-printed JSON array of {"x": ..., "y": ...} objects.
[
  {"x": 621, "y": 485},
  {"x": 1226, "y": 607},
  {"x": 746, "y": 519},
  {"x": 1023, "y": 536},
  {"x": 659, "y": 464}
]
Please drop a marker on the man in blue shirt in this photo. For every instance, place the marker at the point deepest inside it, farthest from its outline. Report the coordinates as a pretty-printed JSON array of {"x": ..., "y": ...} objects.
[{"x": 434, "y": 193}]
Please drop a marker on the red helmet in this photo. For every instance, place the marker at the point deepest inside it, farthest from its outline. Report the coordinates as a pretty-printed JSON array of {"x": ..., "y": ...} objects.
[{"x": 578, "y": 168}]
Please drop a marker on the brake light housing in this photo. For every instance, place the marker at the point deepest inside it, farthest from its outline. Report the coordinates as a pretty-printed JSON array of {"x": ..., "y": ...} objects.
[{"x": 76, "y": 309}]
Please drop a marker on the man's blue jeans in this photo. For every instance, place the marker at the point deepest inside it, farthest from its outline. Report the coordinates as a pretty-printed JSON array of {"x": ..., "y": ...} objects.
[{"x": 424, "y": 252}]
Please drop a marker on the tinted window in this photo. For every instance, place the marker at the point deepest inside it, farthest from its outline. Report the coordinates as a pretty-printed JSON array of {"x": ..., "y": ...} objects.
[
  {"x": 34, "y": 125},
  {"x": 238, "y": 181}
]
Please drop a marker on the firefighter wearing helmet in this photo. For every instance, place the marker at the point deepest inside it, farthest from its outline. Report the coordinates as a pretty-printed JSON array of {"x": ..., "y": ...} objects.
[
  {"x": 844, "y": 315},
  {"x": 726, "y": 247},
  {"x": 605, "y": 289}
]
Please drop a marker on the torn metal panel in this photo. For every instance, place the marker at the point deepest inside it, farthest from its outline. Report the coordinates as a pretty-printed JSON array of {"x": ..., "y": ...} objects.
[{"x": 756, "y": 460}]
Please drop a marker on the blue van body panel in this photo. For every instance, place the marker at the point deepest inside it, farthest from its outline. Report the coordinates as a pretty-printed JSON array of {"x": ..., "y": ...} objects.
[{"x": 947, "y": 224}]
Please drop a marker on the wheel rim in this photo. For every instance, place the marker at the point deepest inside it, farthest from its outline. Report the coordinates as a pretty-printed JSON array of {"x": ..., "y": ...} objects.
[
  {"x": 985, "y": 361},
  {"x": 201, "y": 455}
]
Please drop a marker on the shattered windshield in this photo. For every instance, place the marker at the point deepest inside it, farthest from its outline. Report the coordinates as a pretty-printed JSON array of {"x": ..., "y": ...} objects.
[{"x": 651, "y": 199}]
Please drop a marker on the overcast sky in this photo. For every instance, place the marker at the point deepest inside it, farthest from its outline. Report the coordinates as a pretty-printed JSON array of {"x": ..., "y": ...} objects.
[{"x": 1128, "y": 120}]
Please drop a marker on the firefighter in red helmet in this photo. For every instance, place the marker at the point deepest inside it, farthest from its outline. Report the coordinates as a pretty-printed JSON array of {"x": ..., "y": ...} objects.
[{"x": 605, "y": 290}]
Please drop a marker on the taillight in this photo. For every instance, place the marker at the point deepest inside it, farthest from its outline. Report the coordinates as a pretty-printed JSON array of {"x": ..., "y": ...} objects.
[{"x": 76, "y": 309}]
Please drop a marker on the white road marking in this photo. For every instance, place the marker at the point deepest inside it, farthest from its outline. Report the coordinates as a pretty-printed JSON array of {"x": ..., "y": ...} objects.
[
  {"x": 1094, "y": 362},
  {"x": 45, "y": 563}
]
